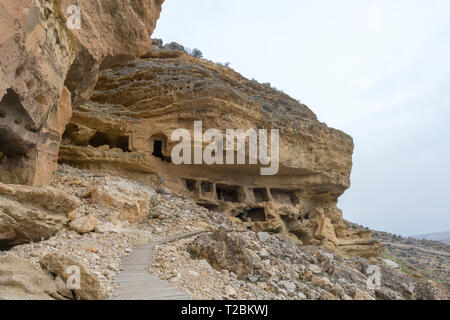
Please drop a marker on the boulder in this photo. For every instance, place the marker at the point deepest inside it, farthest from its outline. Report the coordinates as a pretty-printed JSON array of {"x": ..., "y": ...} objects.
[
  {"x": 62, "y": 288},
  {"x": 21, "y": 280},
  {"x": 391, "y": 263},
  {"x": 107, "y": 227},
  {"x": 230, "y": 291},
  {"x": 90, "y": 287},
  {"x": 174, "y": 46},
  {"x": 84, "y": 224},
  {"x": 132, "y": 203},
  {"x": 32, "y": 213},
  {"x": 224, "y": 251},
  {"x": 263, "y": 236}
]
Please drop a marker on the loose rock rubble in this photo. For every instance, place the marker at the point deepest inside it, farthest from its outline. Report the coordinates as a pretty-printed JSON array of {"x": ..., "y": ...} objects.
[
  {"x": 225, "y": 261},
  {"x": 113, "y": 237},
  {"x": 422, "y": 259},
  {"x": 238, "y": 265}
]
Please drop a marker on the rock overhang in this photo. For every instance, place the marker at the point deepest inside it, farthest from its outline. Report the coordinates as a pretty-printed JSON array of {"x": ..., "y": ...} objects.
[
  {"x": 49, "y": 67},
  {"x": 143, "y": 101}
]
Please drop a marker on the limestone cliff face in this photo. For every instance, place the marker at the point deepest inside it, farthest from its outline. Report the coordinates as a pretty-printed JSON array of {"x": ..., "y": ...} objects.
[
  {"x": 47, "y": 67},
  {"x": 127, "y": 124}
]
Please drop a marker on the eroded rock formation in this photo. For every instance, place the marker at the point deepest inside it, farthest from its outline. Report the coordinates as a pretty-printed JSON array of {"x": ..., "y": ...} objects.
[
  {"x": 122, "y": 125},
  {"x": 224, "y": 251},
  {"x": 127, "y": 125},
  {"x": 90, "y": 287},
  {"x": 46, "y": 68},
  {"x": 20, "y": 279},
  {"x": 32, "y": 213}
]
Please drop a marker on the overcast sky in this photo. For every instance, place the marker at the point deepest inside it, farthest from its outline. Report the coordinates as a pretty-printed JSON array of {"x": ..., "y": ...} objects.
[{"x": 378, "y": 70}]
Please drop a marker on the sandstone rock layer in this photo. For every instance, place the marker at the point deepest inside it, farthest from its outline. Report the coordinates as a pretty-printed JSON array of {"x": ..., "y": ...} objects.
[
  {"x": 21, "y": 280},
  {"x": 89, "y": 287},
  {"x": 32, "y": 213},
  {"x": 46, "y": 67}
]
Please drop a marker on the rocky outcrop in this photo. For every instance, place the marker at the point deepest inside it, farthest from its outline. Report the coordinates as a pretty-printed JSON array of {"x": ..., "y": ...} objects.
[
  {"x": 131, "y": 203},
  {"x": 21, "y": 280},
  {"x": 84, "y": 224},
  {"x": 205, "y": 265},
  {"x": 89, "y": 287},
  {"x": 32, "y": 213},
  {"x": 248, "y": 265},
  {"x": 46, "y": 68},
  {"x": 224, "y": 251},
  {"x": 397, "y": 285},
  {"x": 126, "y": 128},
  {"x": 422, "y": 259}
]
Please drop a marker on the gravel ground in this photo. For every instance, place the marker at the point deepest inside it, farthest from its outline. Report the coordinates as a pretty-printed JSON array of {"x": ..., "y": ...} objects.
[{"x": 226, "y": 262}]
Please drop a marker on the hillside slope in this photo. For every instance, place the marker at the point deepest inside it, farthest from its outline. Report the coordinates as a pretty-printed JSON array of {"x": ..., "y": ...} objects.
[{"x": 422, "y": 259}]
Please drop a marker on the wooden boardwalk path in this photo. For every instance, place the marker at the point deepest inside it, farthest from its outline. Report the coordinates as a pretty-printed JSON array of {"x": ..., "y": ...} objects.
[{"x": 137, "y": 283}]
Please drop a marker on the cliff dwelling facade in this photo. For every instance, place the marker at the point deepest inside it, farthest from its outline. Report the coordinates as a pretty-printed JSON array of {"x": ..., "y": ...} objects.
[{"x": 126, "y": 128}]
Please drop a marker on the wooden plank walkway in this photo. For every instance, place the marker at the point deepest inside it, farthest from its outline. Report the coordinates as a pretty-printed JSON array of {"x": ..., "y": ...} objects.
[{"x": 137, "y": 283}]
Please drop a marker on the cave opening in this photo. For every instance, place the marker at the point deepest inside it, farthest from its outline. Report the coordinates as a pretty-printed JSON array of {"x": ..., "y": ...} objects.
[
  {"x": 190, "y": 184},
  {"x": 14, "y": 119},
  {"x": 260, "y": 194},
  {"x": 209, "y": 206},
  {"x": 159, "y": 143},
  {"x": 285, "y": 196},
  {"x": 228, "y": 193},
  {"x": 253, "y": 215},
  {"x": 288, "y": 221},
  {"x": 206, "y": 187},
  {"x": 123, "y": 143},
  {"x": 157, "y": 149},
  {"x": 99, "y": 139}
]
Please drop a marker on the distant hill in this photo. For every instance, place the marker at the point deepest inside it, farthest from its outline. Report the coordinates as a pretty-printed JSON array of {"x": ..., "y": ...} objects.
[{"x": 440, "y": 236}]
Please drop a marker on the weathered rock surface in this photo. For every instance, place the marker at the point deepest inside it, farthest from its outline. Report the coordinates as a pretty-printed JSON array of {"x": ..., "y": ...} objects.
[
  {"x": 277, "y": 268},
  {"x": 126, "y": 127},
  {"x": 21, "y": 280},
  {"x": 131, "y": 203},
  {"x": 46, "y": 67},
  {"x": 224, "y": 251},
  {"x": 421, "y": 259},
  {"x": 90, "y": 287},
  {"x": 32, "y": 213},
  {"x": 84, "y": 224}
]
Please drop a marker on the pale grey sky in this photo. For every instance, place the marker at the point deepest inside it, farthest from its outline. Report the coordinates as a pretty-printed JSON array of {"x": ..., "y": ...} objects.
[{"x": 376, "y": 69}]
